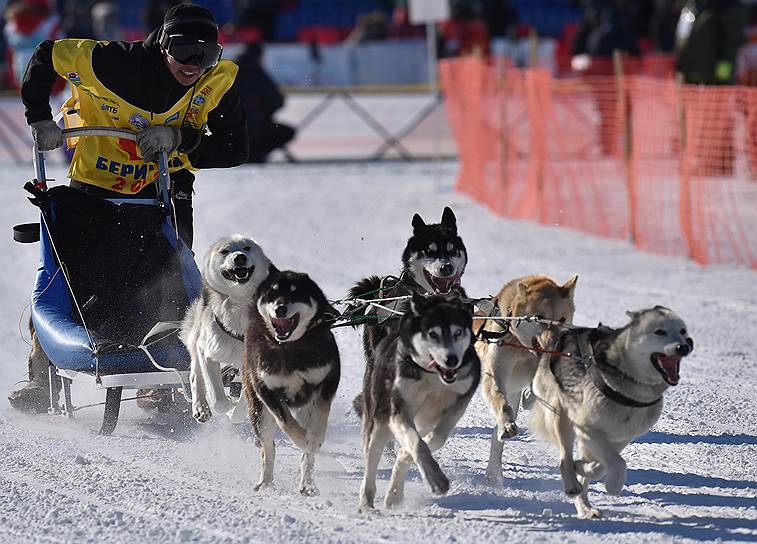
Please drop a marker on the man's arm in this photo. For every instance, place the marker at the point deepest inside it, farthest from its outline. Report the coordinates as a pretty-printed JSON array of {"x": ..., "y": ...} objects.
[
  {"x": 227, "y": 144},
  {"x": 38, "y": 83}
]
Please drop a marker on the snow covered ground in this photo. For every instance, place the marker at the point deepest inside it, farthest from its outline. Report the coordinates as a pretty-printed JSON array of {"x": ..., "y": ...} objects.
[{"x": 693, "y": 478}]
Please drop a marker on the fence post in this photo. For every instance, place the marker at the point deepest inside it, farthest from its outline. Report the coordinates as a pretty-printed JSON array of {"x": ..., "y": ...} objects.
[
  {"x": 624, "y": 114},
  {"x": 684, "y": 196},
  {"x": 503, "y": 131}
]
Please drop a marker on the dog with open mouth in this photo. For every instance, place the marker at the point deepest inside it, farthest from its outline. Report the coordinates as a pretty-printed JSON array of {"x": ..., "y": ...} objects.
[
  {"x": 214, "y": 325},
  {"x": 601, "y": 388},
  {"x": 291, "y": 370},
  {"x": 421, "y": 382},
  {"x": 433, "y": 262}
]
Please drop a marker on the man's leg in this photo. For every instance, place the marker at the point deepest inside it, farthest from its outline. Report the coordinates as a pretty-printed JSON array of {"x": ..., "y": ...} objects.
[{"x": 34, "y": 397}]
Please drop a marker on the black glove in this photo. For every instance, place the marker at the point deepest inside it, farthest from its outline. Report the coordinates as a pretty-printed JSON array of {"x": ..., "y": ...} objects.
[
  {"x": 152, "y": 141},
  {"x": 47, "y": 134}
]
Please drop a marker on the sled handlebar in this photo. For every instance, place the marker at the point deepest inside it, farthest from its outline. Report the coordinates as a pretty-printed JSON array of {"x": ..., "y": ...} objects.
[{"x": 163, "y": 180}]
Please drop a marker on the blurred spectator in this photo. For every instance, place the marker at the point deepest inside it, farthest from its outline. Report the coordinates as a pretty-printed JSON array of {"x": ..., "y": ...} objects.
[
  {"x": 261, "y": 98},
  {"x": 105, "y": 22},
  {"x": 662, "y": 25},
  {"x": 466, "y": 32},
  {"x": 260, "y": 14},
  {"x": 500, "y": 17},
  {"x": 28, "y": 22},
  {"x": 708, "y": 37},
  {"x": 76, "y": 18},
  {"x": 155, "y": 10},
  {"x": 607, "y": 25},
  {"x": 746, "y": 62}
]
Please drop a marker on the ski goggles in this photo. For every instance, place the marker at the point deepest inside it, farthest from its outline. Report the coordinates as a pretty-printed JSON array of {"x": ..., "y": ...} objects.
[{"x": 190, "y": 50}]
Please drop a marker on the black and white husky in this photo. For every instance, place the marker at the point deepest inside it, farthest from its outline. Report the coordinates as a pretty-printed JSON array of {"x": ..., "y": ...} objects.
[
  {"x": 421, "y": 382},
  {"x": 433, "y": 262},
  {"x": 291, "y": 369},
  {"x": 214, "y": 325},
  {"x": 608, "y": 397}
]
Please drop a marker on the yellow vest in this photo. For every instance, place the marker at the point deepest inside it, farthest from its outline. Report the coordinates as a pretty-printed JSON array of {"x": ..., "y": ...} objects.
[{"x": 115, "y": 163}]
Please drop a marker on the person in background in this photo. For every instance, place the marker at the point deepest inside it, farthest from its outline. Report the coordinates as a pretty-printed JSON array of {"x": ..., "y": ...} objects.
[
  {"x": 28, "y": 22},
  {"x": 708, "y": 37},
  {"x": 261, "y": 99},
  {"x": 105, "y": 21}
]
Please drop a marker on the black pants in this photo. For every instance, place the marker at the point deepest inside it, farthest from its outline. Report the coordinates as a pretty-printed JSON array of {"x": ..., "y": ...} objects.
[{"x": 182, "y": 180}]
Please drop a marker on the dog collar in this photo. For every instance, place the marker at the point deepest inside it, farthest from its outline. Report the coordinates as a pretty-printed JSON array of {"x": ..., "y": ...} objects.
[
  {"x": 234, "y": 335},
  {"x": 614, "y": 395}
]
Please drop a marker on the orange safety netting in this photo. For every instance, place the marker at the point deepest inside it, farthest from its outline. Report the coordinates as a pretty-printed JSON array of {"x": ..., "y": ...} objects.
[{"x": 672, "y": 168}]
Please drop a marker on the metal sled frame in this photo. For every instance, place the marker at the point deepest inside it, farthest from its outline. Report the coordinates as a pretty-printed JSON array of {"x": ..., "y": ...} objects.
[{"x": 114, "y": 384}]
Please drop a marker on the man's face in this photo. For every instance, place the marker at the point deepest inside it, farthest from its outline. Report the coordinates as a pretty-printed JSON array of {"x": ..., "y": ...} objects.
[{"x": 186, "y": 74}]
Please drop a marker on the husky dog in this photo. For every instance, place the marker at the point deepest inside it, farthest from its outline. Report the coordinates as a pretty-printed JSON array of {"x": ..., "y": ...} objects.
[
  {"x": 433, "y": 262},
  {"x": 605, "y": 395},
  {"x": 215, "y": 323},
  {"x": 507, "y": 370},
  {"x": 291, "y": 369},
  {"x": 421, "y": 381}
]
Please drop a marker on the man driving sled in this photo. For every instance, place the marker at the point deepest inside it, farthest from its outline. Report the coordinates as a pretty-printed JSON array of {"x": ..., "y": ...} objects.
[{"x": 169, "y": 88}]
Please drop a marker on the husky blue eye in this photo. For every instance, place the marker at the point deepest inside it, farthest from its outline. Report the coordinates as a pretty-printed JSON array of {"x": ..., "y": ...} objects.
[
  {"x": 224, "y": 252},
  {"x": 660, "y": 332},
  {"x": 434, "y": 335}
]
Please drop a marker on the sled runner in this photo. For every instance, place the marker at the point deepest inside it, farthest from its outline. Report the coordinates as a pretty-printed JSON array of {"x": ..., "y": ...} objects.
[{"x": 113, "y": 283}]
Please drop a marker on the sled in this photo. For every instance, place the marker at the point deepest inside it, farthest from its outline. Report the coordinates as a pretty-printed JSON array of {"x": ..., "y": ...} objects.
[{"x": 113, "y": 283}]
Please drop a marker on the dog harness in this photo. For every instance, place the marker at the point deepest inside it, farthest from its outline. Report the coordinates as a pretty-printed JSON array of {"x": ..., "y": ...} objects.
[
  {"x": 591, "y": 364},
  {"x": 231, "y": 333}
]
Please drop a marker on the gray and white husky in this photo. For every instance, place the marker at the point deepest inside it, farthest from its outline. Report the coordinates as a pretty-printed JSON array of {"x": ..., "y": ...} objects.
[
  {"x": 606, "y": 397},
  {"x": 214, "y": 325},
  {"x": 420, "y": 383},
  {"x": 291, "y": 370}
]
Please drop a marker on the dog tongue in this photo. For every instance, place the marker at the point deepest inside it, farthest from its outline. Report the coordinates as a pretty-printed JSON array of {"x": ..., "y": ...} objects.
[
  {"x": 445, "y": 284},
  {"x": 282, "y": 326},
  {"x": 671, "y": 365}
]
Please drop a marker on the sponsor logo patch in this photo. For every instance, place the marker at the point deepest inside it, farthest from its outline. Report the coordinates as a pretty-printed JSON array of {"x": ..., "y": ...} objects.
[
  {"x": 73, "y": 77},
  {"x": 199, "y": 99},
  {"x": 139, "y": 121},
  {"x": 173, "y": 117}
]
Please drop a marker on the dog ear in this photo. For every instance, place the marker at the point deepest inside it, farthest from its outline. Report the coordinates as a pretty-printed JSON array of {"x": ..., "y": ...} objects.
[
  {"x": 633, "y": 315},
  {"x": 570, "y": 286},
  {"x": 417, "y": 304},
  {"x": 418, "y": 223},
  {"x": 522, "y": 288},
  {"x": 448, "y": 218}
]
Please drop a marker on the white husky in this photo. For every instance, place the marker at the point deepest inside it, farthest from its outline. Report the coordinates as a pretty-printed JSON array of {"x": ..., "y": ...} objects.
[
  {"x": 214, "y": 325},
  {"x": 605, "y": 394}
]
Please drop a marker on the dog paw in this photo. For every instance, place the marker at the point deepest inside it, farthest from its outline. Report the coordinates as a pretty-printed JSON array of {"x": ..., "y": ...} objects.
[
  {"x": 589, "y": 513},
  {"x": 393, "y": 499},
  {"x": 201, "y": 412},
  {"x": 615, "y": 480},
  {"x": 574, "y": 489},
  {"x": 367, "y": 509},
  {"x": 308, "y": 490},
  {"x": 438, "y": 482},
  {"x": 506, "y": 430},
  {"x": 493, "y": 478},
  {"x": 263, "y": 484}
]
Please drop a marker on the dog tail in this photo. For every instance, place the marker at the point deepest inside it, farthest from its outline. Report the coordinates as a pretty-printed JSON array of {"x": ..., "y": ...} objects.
[{"x": 366, "y": 288}]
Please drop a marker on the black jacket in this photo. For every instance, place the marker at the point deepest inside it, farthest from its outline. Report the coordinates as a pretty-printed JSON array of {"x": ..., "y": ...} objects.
[
  {"x": 136, "y": 72},
  {"x": 716, "y": 35}
]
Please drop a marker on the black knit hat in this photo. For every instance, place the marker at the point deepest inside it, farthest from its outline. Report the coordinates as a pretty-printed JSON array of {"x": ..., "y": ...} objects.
[{"x": 191, "y": 20}]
